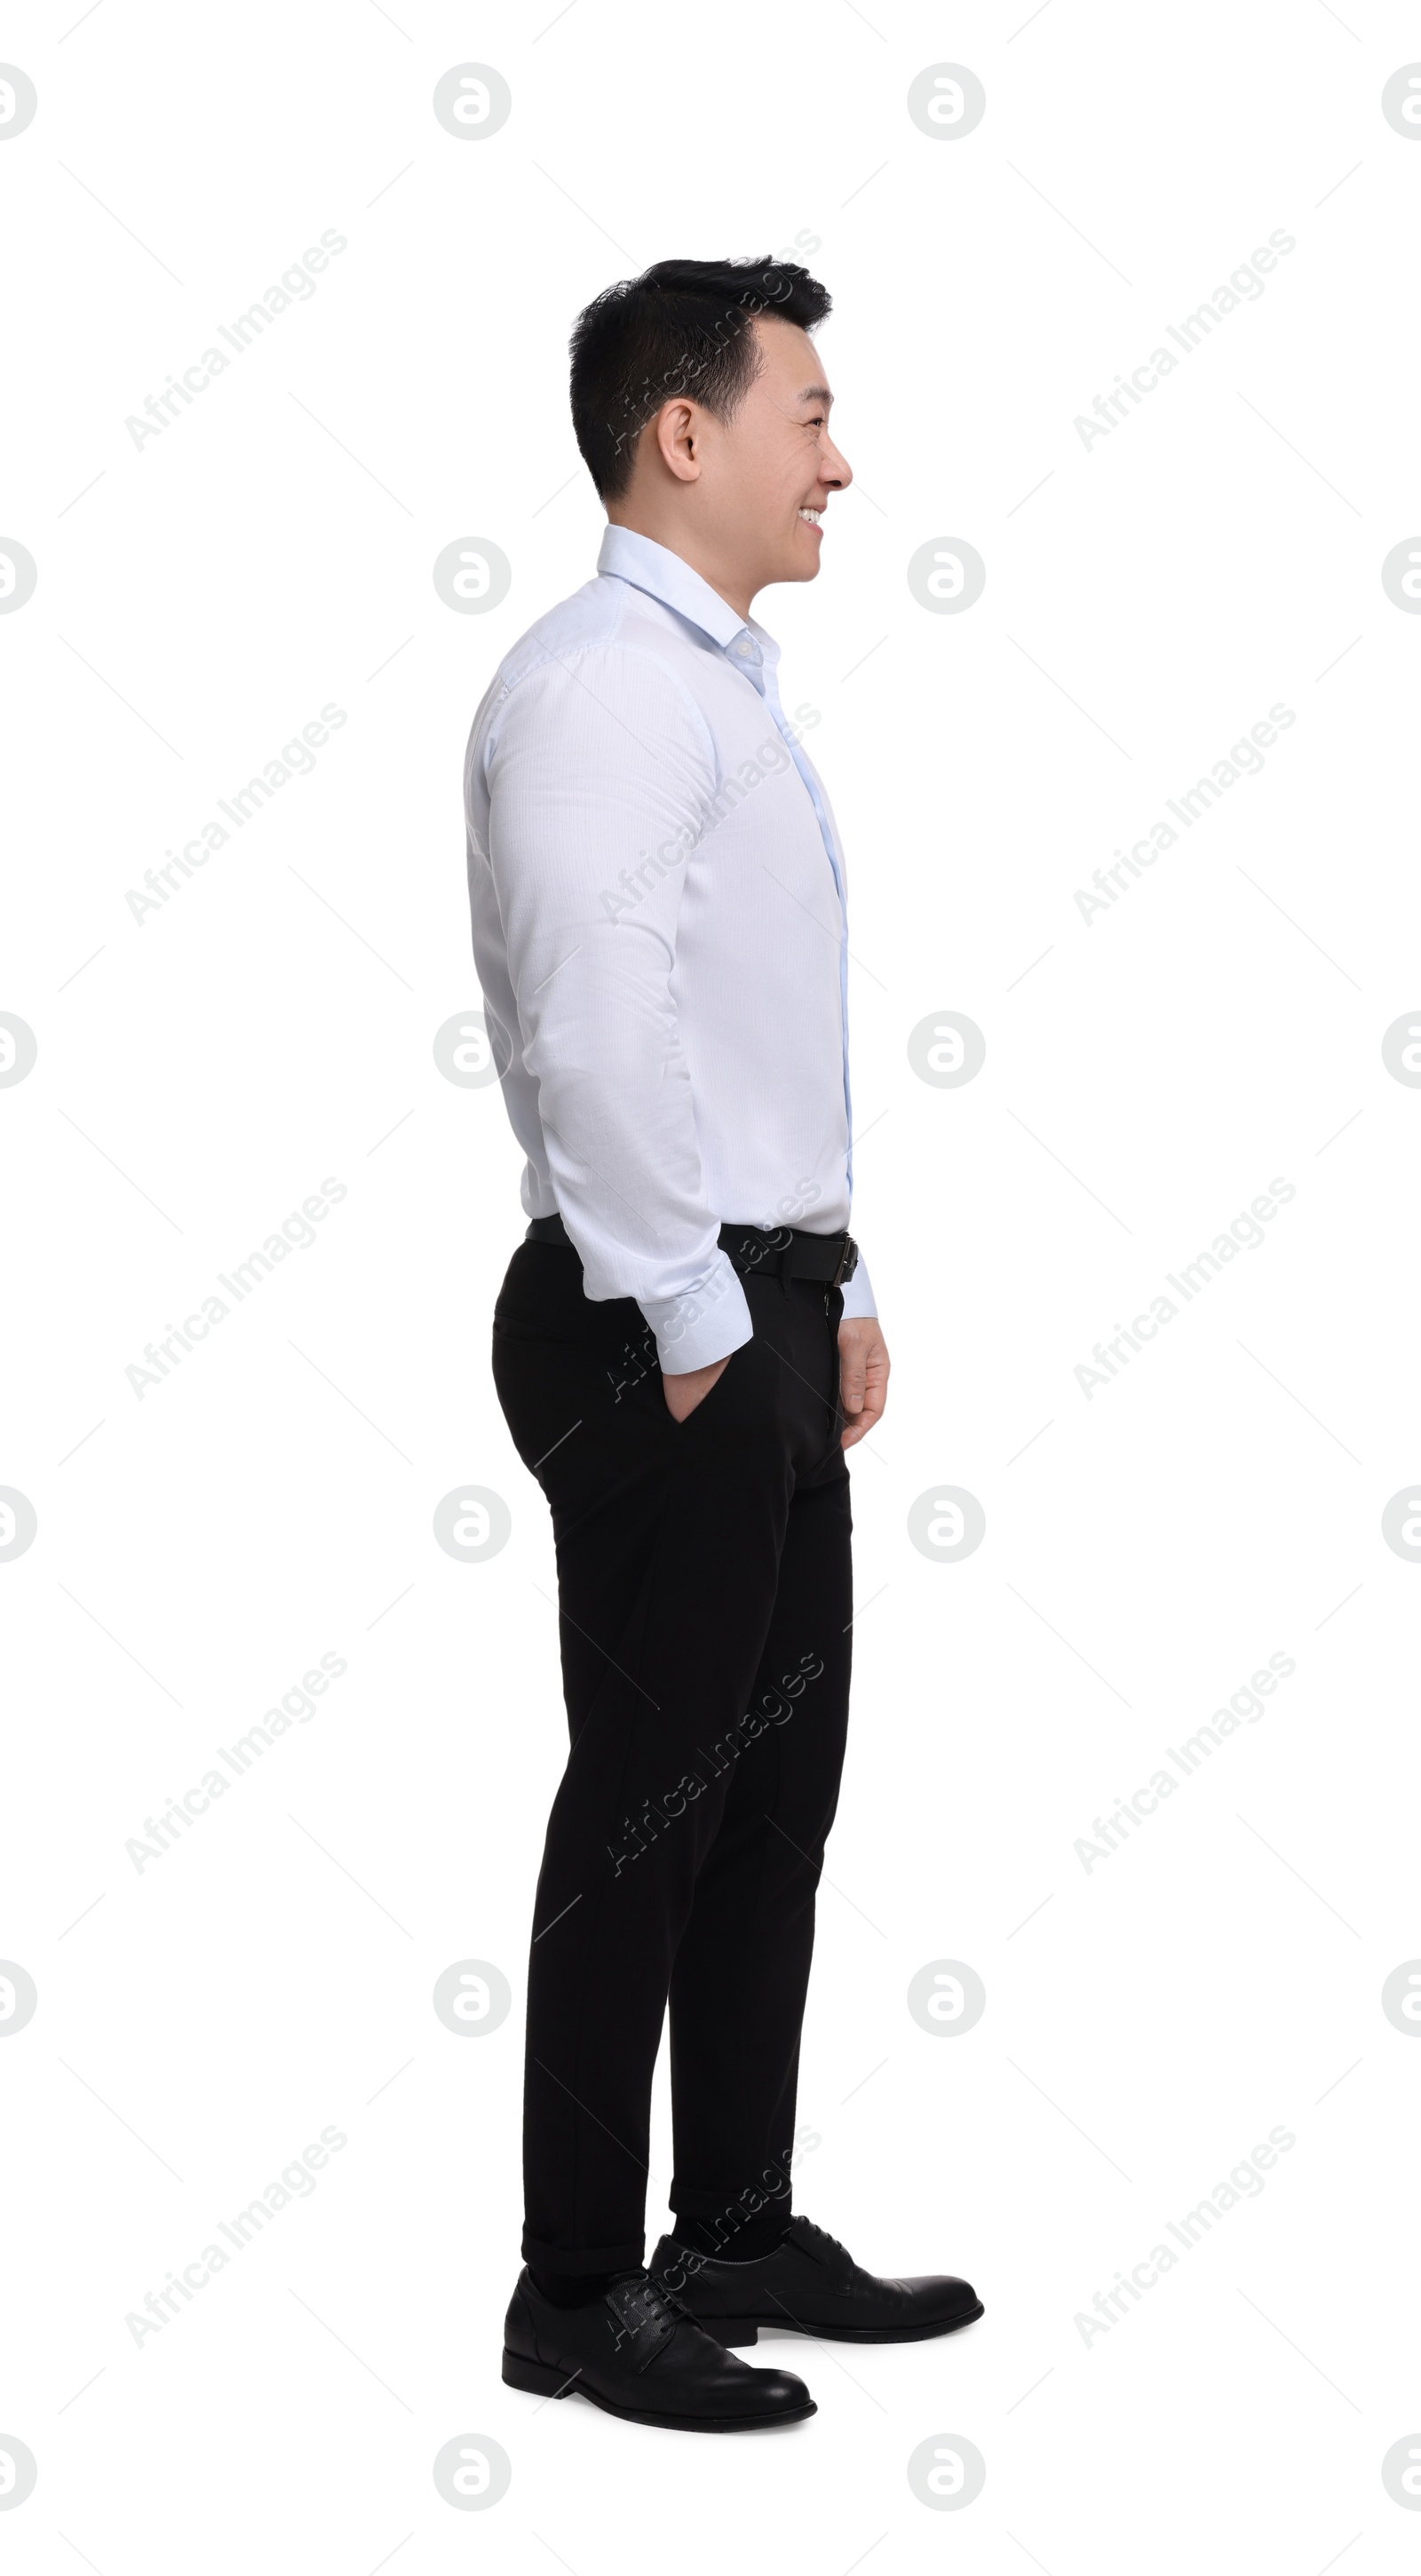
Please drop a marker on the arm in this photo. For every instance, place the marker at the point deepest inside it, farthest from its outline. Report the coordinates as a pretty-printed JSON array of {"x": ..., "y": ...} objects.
[{"x": 599, "y": 772}]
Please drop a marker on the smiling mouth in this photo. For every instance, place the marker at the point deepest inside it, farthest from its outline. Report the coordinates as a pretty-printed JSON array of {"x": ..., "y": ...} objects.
[{"x": 814, "y": 517}]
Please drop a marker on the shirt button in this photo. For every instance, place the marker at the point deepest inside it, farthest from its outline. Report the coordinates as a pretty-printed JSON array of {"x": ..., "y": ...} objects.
[{"x": 744, "y": 645}]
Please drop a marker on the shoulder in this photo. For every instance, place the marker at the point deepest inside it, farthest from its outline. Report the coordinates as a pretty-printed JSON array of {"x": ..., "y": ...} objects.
[
  {"x": 592, "y": 616},
  {"x": 597, "y": 657}
]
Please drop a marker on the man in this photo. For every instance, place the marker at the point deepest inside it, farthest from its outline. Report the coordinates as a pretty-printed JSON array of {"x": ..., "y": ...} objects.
[{"x": 684, "y": 1346}]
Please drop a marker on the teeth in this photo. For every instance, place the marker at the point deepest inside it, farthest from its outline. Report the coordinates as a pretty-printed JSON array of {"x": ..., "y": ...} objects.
[{"x": 813, "y": 516}]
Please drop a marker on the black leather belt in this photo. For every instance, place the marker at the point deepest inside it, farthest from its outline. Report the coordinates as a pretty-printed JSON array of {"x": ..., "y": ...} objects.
[
  {"x": 789, "y": 1253},
  {"x": 785, "y": 1253}
]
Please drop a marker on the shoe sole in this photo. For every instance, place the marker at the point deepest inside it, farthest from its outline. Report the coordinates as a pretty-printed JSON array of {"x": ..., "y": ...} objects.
[
  {"x": 738, "y": 2332},
  {"x": 541, "y": 2380}
]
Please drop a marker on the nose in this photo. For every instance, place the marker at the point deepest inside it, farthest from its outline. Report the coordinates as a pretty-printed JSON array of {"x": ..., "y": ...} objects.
[{"x": 834, "y": 468}]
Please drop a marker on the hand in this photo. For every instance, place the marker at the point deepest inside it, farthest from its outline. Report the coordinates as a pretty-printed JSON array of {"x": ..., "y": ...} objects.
[
  {"x": 863, "y": 1376},
  {"x": 685, "y": 1392}
]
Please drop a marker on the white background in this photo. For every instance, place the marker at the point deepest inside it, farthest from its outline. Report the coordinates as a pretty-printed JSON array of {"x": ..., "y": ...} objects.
[{"x": 1147, "y": 1075}]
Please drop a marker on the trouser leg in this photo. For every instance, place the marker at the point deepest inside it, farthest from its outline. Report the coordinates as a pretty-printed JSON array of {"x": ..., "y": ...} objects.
[
  {"x": 669, "y": 1538},
  {"x": 742, "y": 1969}
]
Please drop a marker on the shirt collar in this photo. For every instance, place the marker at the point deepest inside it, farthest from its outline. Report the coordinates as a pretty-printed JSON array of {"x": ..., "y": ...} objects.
[{"x": 631, "y": 557}]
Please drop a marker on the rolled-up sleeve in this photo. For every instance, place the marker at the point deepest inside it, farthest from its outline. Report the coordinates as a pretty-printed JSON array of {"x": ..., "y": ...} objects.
[{"x": 599, "y": 771}]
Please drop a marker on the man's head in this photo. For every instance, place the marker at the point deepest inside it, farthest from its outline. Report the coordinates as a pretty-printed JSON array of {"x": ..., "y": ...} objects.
[{"x": 702, "y": 414}]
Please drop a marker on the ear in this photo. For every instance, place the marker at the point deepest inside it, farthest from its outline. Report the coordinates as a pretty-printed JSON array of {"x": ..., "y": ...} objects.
[{"x": 677, "y": 434}]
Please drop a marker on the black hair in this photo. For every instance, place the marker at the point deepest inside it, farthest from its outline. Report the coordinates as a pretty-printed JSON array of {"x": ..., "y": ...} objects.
[{"x": 682, "y": 327}]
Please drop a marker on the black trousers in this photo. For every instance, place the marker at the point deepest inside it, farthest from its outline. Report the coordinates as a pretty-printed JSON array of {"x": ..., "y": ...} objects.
[{"x": 705, "y": 1616}]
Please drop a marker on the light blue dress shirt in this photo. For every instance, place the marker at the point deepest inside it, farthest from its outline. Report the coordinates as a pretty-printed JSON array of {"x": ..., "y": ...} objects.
[{"x": 658, "y": 893}]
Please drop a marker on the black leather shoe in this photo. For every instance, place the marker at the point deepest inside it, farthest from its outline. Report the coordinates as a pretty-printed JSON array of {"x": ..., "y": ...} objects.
[
  {"x": 638, "y": 2353},
  {"x": 811, "y": 2285}
]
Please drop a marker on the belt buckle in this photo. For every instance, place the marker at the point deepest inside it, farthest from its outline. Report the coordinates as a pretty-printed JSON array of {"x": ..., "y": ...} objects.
[{"x": 848, "y": 1263}]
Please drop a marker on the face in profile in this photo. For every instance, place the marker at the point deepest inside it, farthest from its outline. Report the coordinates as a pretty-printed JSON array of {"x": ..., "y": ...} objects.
[{"x": 761, "y": 481}]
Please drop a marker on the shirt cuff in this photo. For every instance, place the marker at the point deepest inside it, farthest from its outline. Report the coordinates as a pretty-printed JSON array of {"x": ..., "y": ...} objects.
[
  {"x": 858, "y": 1295},
  {"x": 705, "y": 1323}
]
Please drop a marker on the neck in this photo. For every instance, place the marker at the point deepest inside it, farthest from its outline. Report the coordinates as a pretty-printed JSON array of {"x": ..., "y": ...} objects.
[{"x": 726, "y": 580}]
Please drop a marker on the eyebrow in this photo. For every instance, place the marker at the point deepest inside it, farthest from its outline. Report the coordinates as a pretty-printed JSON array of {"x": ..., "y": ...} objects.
[{"x": 815, "y": 393}]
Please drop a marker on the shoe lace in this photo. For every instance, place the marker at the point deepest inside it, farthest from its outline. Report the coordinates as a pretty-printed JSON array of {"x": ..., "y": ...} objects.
[
  {"x": 826, "y": 2239},
  {"x": 658, "y": 2295}
]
